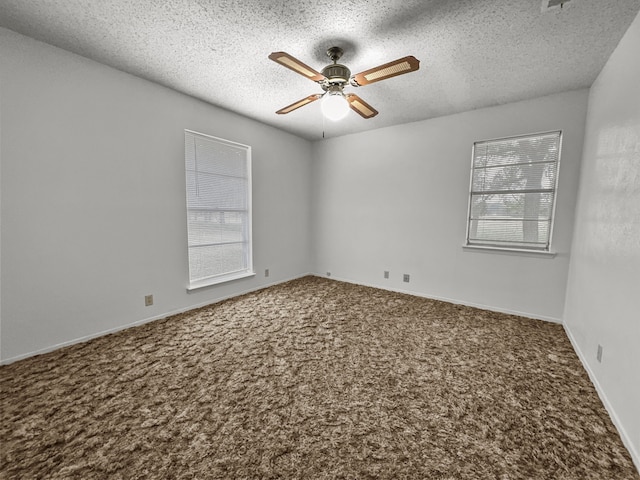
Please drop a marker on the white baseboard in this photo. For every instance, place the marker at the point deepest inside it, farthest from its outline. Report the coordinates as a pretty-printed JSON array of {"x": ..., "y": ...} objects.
[
  {"x": 449, "y": 300},
  {"x": 140, "y": 322},
  {"x": 626, "y": 440}
]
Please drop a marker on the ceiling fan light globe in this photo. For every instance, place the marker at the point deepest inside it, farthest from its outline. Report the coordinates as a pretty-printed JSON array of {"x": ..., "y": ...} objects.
[{"x": 334, "y": 106}]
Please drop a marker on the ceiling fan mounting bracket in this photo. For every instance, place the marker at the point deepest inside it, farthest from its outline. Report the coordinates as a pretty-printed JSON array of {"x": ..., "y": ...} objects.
[
  {"x": 335, "y": 74},
  {"x": 334, "y": 53}
]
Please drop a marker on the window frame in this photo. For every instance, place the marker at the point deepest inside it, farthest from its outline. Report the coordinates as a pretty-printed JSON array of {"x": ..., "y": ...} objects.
[
  {"x": 227, "y": 276},
  {"x": 521, "y": 250}
]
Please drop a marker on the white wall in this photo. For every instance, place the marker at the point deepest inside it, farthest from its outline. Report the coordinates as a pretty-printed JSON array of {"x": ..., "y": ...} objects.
[
  {"x": 93, "y": 197},
  {"x": 603, "y": 293},
  {"x": 396, "y": 199}
]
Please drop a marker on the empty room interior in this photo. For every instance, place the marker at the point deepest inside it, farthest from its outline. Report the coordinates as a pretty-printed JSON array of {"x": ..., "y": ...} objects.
[{"x": 297, "y": 239}]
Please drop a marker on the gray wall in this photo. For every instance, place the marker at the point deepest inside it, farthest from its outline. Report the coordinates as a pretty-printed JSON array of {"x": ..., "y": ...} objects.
[
  {"x": 396, "y": 199},
  {"x": 603, "y": 293},
  {"x": 93, "y": 197}
]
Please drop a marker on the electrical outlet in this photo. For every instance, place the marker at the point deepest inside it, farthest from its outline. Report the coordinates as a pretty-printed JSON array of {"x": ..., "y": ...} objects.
[
  {"x": 148, "y": 300},
  {"x": 599, "y": 354},
  {"x": 328, "y": 274},
  {"x": 266, "y": 272},
  {"x": 386, "y": 274},
  {"x": 553, "y": 4},
  {"x": 405, "y": 278}
]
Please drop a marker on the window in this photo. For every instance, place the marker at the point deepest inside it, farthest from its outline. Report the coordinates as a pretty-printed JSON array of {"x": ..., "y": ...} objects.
[
  {"x": 218, "y": 174},
  {"x": 513, "y": 191}
]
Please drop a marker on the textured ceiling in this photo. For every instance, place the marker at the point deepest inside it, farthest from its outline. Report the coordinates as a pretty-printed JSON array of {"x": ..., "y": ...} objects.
[{"x": 473, "y": 53}]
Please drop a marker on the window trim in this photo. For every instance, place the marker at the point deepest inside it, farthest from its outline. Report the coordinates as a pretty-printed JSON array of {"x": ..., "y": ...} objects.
[
  {"x": 227, "y": 277},
  {"x": 238, "y": 274},
  {"x": 548, "y": 252},
  {"x": 509, "y": 251}
]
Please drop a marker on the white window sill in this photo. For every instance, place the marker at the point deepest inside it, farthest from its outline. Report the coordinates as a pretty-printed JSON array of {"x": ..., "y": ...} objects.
[
  {"x": 510, "y": 251},
  {"x": 208, "y": 282}
]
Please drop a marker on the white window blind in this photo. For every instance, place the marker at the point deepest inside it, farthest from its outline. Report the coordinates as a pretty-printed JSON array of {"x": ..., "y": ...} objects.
[
  {"x": 218, "y": 175},
  {"x": 513, "y": 191}
]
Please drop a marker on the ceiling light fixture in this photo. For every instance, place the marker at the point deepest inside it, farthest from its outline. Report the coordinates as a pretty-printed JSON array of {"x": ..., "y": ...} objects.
[{"x": 334, "y": 106}]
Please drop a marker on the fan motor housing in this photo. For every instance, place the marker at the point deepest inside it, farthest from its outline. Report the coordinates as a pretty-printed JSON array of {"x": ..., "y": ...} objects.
[{"x": 336, "y": 73}]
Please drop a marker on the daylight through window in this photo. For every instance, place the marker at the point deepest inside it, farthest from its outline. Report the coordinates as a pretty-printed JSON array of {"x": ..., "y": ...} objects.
[
  {"x": 513, "y": 190},
  {"x": 218, "y": 175}
]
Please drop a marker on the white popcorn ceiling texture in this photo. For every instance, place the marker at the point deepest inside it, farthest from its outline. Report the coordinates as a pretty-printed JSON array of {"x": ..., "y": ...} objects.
[{"x": 473, "y": 53}]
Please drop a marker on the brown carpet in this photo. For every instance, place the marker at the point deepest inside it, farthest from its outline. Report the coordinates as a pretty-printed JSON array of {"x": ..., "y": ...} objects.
[{"x": 312, "y": 379}]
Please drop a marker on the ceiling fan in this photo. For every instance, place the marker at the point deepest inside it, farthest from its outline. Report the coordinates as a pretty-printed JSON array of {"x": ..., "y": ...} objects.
[{"x": 333, "y": 79}]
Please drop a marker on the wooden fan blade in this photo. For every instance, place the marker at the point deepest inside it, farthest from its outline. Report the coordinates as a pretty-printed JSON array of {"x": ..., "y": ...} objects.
[
  {"x": 397, "y": 67},
  {"x": 360, "y": 106},
  {"x": 298, "y": 104},
  {"x": 296, "y": 65}
]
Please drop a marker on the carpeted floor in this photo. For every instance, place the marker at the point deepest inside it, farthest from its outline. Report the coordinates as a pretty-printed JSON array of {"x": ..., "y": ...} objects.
[{"x": 312, "y": 379}]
